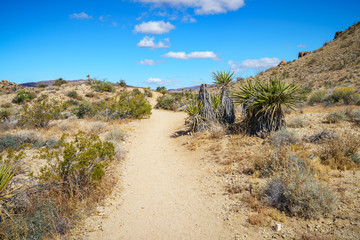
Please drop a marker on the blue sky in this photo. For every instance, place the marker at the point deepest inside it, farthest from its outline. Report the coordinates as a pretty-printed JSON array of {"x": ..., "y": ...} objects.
[{"x": 160, "y": 42}]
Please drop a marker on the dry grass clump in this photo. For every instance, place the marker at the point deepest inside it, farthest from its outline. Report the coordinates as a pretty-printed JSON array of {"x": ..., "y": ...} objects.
[
  {"x": 217, "y": 131},
  {"x": 283, "y": 137},
  {"x": 65, "y": 126},
  {"x": 335, "y": 117},
  {"x": 342, "y": 152},
  {"x": 97, "y": 127},
  {"x": 320, "y": 137},
  {"x": 16, "y": 141},
  {"x": 317, "y": 97},
  {"x": 299, "y": 193},
  {"x": 297, "y": 122},
  {"x": 115, "y": 135}
]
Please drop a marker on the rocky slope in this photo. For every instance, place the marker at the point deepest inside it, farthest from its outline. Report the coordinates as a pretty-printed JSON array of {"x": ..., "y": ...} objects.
[{"x": 336, "y": 63}]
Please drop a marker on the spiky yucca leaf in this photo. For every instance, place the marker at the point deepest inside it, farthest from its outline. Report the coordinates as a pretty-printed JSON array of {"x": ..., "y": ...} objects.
[
  {"x": 263, "y": 103},
  {"x": 6, "y": 175},
  {"x": 216, "y": 101},
  {"x": 223, "y": 78},
  {"x": 193, "y": 109}
]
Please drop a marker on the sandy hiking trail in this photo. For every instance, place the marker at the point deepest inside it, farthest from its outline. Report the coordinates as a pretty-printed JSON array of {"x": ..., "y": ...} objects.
[{"x": 166, "y": 192}]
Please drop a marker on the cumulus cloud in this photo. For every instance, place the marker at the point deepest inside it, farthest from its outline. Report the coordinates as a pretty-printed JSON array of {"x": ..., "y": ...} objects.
[
  {"x": 149, "y": 62},
  {"x": 301, "y": 46},
  {"x": 148, "y": 42},
  {"x": 261, "y": 63},
  {"x": 188, "y": 19},
  {"x": 154, "y": 27},
  {"x": 192, "y": 55},
  {"x": 81, "y": 15},
  {"x": 158, "y": 81},
  {"x": 201, "y": 7}
]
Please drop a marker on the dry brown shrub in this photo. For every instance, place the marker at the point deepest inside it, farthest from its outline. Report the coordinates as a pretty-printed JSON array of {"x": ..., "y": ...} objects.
[
  {"x": 342, "y": 152},
  {"x": 259, "y": 219}
]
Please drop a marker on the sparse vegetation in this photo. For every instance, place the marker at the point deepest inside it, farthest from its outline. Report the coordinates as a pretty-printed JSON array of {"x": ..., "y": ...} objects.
[
  {"x": 58, "y": 82},
  {"x": 103, "y": 86},
  {"x": 317, "y": 97},
  {"x": 23, "y": 96}
]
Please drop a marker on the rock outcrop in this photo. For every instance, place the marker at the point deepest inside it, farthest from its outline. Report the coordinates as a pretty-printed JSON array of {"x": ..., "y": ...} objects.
[
  {"x": 301, "y": 54},
  {"x": 8, "y": 87}
]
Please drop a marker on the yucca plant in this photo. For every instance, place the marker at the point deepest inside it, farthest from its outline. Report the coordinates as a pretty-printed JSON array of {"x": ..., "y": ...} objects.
[
  {"x": 193, "y": 109},
  {"x": 263, "y": 103},
  {"x": 223, "y": 78},
  {"x": 216, "y": 102},
  {"x": 6, "y": 175}
]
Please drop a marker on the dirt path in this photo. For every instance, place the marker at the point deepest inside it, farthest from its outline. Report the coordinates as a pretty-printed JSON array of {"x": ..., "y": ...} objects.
[{"x": 166, "y": 192}]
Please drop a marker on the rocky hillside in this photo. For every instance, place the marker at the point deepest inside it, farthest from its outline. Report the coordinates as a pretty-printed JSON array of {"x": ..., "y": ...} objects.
[
  {"x": 8, "y": 87},
  {"x": 336, "y": 63}
]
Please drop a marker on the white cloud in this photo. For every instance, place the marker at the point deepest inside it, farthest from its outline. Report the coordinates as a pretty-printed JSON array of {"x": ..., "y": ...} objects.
[
  {"x": 201, "y": 7},
  {"x": 149, "y": 62},
  {"x": 154, "y": 27},
  {"x": 158, "y": 81},
  {"x": 301, "y": 46},
  {"x": 253, "y": 64},
  {"x": 192, "y": 55},
  {"x": 81, "y": 15},
  {"x": 188, "y": 19},
  {"x": 148, "y": 42}
]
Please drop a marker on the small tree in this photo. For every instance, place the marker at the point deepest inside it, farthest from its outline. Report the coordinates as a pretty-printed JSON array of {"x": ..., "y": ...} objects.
[
  {"x": 122, "y": 83},
  {"x": 263, "y": 103}
]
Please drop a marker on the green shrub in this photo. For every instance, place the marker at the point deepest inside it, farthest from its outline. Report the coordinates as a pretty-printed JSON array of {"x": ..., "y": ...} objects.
[
  {"x": 41, "y": 85},
  {"x": 283, "y": 137},
  {"x": 79, "y": 163},
  {"x": 167, "y": 103},
  {"x": 23, "y": 96},
  {"x": 85, "y": 108},
  {"x": 39, "y": 114},
  {"x": 7, "y": 172},
  {"x": 299, "y": 193},
  {"x": 90, "y": 95},
  {"x": 102, "y": 86},
  {"x": 147, "y": 92},
  {"x": 335, "y": 117},
  {"x": 122, "y": 83},
  {"x": 24, "y": 138},
  {"x": 161, "y": 90},
  {"x": 59, "y": 82},
  {"x": 74, "y": 95},
  {"x": 126, "y": 105},
  {"x": 317, "y": 97}
]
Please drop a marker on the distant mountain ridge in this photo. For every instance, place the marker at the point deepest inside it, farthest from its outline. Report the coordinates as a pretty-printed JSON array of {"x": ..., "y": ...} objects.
[{"x": 49, "y": 82}]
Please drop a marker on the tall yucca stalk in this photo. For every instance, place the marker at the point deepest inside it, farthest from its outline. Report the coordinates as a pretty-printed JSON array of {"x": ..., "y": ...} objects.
[
  {"x": 6, "y": 175},
  {"x": 193, "y": 109},
  {"x": 263, "y": 103}
]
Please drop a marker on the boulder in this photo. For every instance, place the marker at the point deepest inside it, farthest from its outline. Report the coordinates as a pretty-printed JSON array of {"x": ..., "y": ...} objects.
[
  {"x": 337, "y": 34},
  {"x": 8, "y": 87},
  {"x": 282, "y": 63},
  {"x": 301, "y": 54}
]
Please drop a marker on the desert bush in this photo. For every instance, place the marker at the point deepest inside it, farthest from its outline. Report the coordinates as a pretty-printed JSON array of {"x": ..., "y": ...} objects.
[
  {"x": 115, "y": 135},
  {"x": 90, "y": 95},
  {"x": 320, "y": 137},
  {"x": 122, "y": 83},
  {"x": 74, "y": 95},
  {"x": 103, "y": 86},
  {"x": 341, "y": 152},
  {"x": 126, "y": 105},
  {"x": 167, "y": 103},
  {"x": 283, "y": 137},
  {"x": 147, "y": 92},
  {"x": 136, "y": 91},
  {"x": 161, "y": 90},
  {"x": 39, "y": 114},
  {"x": 299, "y": 193},
  {"x": 353, "y": 116},
  {"x": 58, "y": 82},
  {"x": 24, "y": 138},
  {"x": 97, "y": 127},
  {"x": 335, "y": 117},
  {"x": 77, "y": 163},
  {"x": 6, "y": 105},
  {"x": 4, "y": 114},
  {"x": 65, "y": 126},
  {"x": 347, "y": 95},
  {"x": 317, "y": 97},
  {"x": 296, "y": 122},
  {"x": 23, "y": 96},
  {"x": 41, "y": 85},
  {"x": 263, "y": 104},
  {"x": 85, "y": 108}
]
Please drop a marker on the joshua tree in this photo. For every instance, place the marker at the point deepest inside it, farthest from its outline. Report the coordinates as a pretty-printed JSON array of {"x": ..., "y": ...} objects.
[
  {"x": 226, "y": 108},
  {"x": 263, "y": 103}
]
